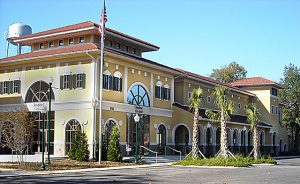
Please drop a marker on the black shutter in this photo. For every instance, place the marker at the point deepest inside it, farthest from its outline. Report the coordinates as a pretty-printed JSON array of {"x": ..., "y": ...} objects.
[
  {"x": 10, "y": 87},
  {"x": 1, "y": 88},
  {"x": 83, "y": 80},
  {"x": 70, "y": 81},
  {"x": 75, "y": 81},
  {"x": 61, "y": 82},
  {"x": 105, "y": 77},
  {"x": 169, "y": 92},
  {"x": 156, "y": 91},
  {"x": 110, "y": 82},
  {"x": 120, "y": 89},
  {"x": 162, "y": 92},
  {"x": 114, "y": 83},
  {"x": 19, "y": 86}
]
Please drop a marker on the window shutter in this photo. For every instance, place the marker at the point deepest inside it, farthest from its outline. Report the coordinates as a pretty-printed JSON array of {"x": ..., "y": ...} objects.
[
  {"x": 74, "y": 81},
  {"x": 1, "y": 88},
  {"x": 61, "y": 82},
  {"x": 70, "y": 81},
  {"x": 114, "y": 83},
  {"x": 10, "y": 87},
  {"x": 110, "y": 82},
  {"x": 169, "y": 92},
  {"x": 156, "y": 89},
  {"x": 103, "y": 81},
  {"x": 19, "y": 86},
  {"x": 162, "y": 93},
  {"x": 120, "y": 89},
  {"x": 83, "y": 80}
]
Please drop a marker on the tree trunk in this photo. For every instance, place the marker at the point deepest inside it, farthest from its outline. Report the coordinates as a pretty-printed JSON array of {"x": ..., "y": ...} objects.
[
  {"x": 195, "y": 148},
  {"x": 255, "y": 143},
  {"x": 223, "y": 141},
  {"x": 297, "y": 134}
]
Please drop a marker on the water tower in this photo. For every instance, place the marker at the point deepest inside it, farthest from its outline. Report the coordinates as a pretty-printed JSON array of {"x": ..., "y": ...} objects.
[{"x": 16, "y": 30}]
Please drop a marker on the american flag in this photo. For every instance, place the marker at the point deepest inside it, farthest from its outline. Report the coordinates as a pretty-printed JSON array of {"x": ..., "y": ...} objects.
[{"x": 102, "y": 23}]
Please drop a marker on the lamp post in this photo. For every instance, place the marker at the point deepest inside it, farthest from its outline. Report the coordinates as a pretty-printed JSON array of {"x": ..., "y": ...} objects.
[
  {"x": 42, "y": 168},
  {"x": 49, "y": 121},
  {"x": 136, "y": 119}
]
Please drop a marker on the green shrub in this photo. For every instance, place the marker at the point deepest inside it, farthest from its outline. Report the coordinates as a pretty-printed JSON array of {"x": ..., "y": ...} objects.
[
  {"x": 79, "y": 148},
  {"x": 240, "y": 161},
  {"x": 114, "y": 153},
  {"x": 103, "y": 151}
]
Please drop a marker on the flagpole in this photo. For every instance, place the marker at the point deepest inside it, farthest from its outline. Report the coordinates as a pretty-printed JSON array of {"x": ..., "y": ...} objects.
[{"x": 101, "y": 81}]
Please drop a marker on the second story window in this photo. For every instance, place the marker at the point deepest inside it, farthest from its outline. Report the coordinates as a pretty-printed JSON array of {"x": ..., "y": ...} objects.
[
  {"x": 66, "y": 81},
  {"x": 127, "y": 49},
  {"x": 166, "y": 92},
  {"x": 72, "y": 81},
  {"x": 42, "y": 46},
  {"x": 71, "y": 41},
  {"x": 107, "y": 80},
  {"x": 274, "y": 92},
  {"x": 158, "y": 90},
  {"x": 117, "y": 81},
  {"x": 239, "y": 106},
  {"x": 81, "y": 39},
  {"x": 110, "y": 43},
  {"x": 133, "y": 51},
  {"x": 16, "y": 86},
  {"x": 80, "y": 80},
  {"x": 272, "y": 109},
  {"x": 9, "y": 87},
  {"x": 208, "y": 99},
  {"x": 118, "y": 46},
  {"x": 60, "y": 42},
  {"x": 276, "y": 110},
  {"x": 51, "y": 44}
]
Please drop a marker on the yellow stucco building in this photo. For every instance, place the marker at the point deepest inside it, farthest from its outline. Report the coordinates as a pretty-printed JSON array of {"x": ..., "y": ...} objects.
[{"x": 69, "y": 58}]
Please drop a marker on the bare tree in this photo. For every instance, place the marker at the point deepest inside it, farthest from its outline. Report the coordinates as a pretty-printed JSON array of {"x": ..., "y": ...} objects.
[{"x": 17, "y": 131}]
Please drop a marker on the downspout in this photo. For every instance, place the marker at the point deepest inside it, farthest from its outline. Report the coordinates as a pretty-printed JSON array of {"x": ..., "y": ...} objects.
[{"x": 94, "y": 102}]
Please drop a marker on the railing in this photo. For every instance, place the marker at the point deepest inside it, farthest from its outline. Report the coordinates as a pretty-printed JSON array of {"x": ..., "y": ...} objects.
[
  {"x": 172, "y": 150},
  {"x": 151, "y": 152},
  {"x": 12, "y": 155}
]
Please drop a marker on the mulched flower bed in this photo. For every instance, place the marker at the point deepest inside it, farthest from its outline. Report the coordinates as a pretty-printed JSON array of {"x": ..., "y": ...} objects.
[{"x": 62, "y": 165}]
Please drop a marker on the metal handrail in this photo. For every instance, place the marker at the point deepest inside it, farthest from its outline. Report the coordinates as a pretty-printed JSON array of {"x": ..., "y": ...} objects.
[
  {"x": 173, "y": 150},
  {"x": 151, "y": 152}
]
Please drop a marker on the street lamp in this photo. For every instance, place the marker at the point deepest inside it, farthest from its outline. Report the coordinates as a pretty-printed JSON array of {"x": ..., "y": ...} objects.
[
  {"x": 136, "y": 119},
  {"x": 49, "y": 119},
  {"x": 43, "y": 111}
]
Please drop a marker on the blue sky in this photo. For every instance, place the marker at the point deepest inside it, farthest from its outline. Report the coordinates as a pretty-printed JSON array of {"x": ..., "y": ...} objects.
[{"x": 195, "y": 35}]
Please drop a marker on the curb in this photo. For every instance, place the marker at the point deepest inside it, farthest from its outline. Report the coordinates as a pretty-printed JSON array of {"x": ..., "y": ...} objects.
[
  {"x": 29, "y": 173},
  {"x": 209, "y": 167},
  {"x": 286, "y": 157}
]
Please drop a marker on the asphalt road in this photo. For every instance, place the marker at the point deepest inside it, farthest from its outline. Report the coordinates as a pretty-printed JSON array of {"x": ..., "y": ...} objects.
[{"x": 286, "y": 172}]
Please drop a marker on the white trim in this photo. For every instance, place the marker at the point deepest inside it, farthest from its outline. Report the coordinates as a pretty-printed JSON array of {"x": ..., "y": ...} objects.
[
  {"x": 54, "y": 34},
  {"x": 152, "y": 90},
  {"x": 125, "y": 84},
  {"x": 117, "y": 74},
  {"x": 114, "y": 120}
]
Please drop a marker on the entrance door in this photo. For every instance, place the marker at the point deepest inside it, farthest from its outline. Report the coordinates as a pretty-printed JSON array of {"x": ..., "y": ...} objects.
[
  {"x": 161, "y": 136},
  {"x": 143, "y": 132}
]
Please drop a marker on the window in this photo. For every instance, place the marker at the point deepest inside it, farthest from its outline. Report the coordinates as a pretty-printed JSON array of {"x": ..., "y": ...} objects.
[
  {"x": 118, "y": 46},
  {"x": 276, "y": 110},
  {"x": 272, "y": 109},
  {"x": 127, "y": 49},
  {"x": 166, "y": 92},
  {"x": 189, "y": 94},
  {"x": 72, "y": 81},
  {"x": 42, "y": 46},
  {"x": 274, "y": 92},
  {"x": 107, "y": 80},
  {"x": 16, "y": 87},
  {"x": 239, "y": 105},
  {"x": 158, "y": 90},
  {"x": 60, "y": 42},
  {"x": 81, "y": 39},
  {"x": 51, "y": 44},
  {"x": 133, "y": 51},
  {"x": 208, "y": 99},
  {"x": 138, "y": 95},
  {"x": 117, "y": 81},
  {"x": 280, "y": 116},
  {"x": 110, "y": 43},
  {"x": 71, "y": 128},
  {"x": 5, "y": 87},
  {"x": 71, "y": 41}
]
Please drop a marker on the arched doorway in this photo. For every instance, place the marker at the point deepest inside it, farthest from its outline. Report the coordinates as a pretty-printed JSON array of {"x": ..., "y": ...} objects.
[
  {"x": 218, "y": 138},
  {"x": 209, "y": 141},
  {"x": 161, "y": 138},
  {"x": 39, "y": 92},
  {"x": 71, "y": 127},
  {"x": 182, "y": 139},
  {"x": 235, "y": 141},
  {"x": 139, "y": 97},
  {"x": 7, "y": 128},
  {"x": 107, "y": 131}
]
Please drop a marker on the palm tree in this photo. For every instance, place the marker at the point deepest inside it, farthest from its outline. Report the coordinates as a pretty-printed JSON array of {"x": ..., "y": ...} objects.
[
  {"x": 226, "y": 108},
  {"x": 252, "y": 117},
  {"x": 195, "y": 102}
]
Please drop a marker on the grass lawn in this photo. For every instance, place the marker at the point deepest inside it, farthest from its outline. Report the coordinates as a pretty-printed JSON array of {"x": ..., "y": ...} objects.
[
  {"x": 63, "y": 165},
  {"x": 213, "y": 161}
]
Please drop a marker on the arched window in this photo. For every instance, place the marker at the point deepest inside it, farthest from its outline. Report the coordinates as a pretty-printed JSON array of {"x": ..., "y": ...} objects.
[
  {"x": 138, "y": 95},
  {"x": 107, "y": 131},
  {"x": 166, "y": 92},
  {"x": 117, "y": 81},
  {"x": 107, "y": 80},
  {"x": 158, "y": 90},
  {"x": 71, "y": 127},
  {"x": 38, "y": 92}
]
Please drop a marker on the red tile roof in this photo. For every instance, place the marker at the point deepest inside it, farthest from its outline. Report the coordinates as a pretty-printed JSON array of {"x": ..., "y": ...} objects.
[
  {"x": 86, "y": 24},
  {"x": 253, "y": 81},
  {"x": 58, "y": 50},
  {"x": 211, "y": 80}
]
